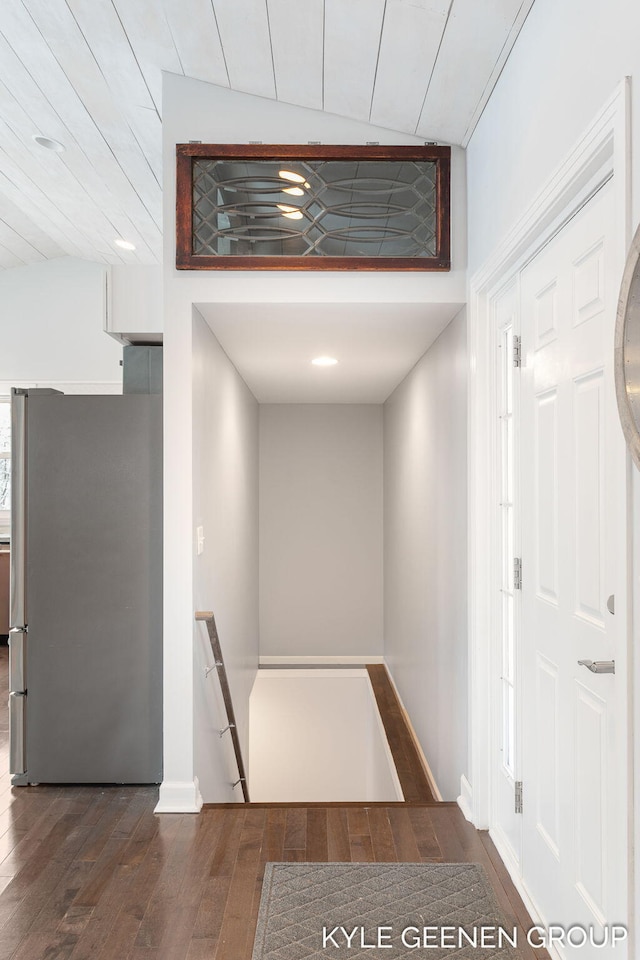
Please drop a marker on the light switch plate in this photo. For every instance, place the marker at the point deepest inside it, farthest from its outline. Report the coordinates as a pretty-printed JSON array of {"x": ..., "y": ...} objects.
[{"x": 200, "y": 540}]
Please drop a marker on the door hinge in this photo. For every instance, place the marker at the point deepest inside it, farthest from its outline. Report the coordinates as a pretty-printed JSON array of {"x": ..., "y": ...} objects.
[
  {"x": 518, "y": 796},
  {"x": 517, "y": 351},
  {"x": 517, "y": 573}
]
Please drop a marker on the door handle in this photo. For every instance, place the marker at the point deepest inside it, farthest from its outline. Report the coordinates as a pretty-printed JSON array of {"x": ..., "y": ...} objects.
[{"x": 599, "y": 666}]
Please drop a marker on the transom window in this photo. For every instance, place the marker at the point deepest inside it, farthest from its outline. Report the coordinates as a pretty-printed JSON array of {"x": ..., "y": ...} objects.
[{"x": 310, "y": 208}]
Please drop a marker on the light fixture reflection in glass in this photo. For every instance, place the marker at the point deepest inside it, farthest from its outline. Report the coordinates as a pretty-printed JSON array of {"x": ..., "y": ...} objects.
[
  {"x": 294, "y": 191},
  {"x": 293, "y": 213},
  {"x": 324, "y": 361},
  {"x": 50, "y": 144},
  {"x": 291, "y": 176}
]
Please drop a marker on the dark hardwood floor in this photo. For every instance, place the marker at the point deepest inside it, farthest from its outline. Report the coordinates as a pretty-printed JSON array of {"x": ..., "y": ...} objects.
[{"x": 91, "y": 873}]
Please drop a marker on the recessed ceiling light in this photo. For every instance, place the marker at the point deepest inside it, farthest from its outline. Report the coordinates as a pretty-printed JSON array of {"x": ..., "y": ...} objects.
[
  {"x": 287, "y": 209},
  {"x": 324, "y": 362},
  {"x": 124, "y": 244},
  {"x": 289, "y": 175},
  {"x": 294, "y": 191},
  {"x": 49, "y": 144}
]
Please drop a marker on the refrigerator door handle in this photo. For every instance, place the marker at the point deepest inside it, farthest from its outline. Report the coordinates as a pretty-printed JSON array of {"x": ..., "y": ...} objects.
[
  {"x": 17, "y": 734},
  {"x": 17, "y": 673},
  {"x": 18, "y": 599}
]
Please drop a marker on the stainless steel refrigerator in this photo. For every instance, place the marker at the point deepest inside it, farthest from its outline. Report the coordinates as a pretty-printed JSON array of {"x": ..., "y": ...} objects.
[{"x": 85, "y": 646}]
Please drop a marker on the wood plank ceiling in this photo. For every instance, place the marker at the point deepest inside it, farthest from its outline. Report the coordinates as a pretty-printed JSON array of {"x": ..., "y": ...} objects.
[{"x": 88, "y": 73}]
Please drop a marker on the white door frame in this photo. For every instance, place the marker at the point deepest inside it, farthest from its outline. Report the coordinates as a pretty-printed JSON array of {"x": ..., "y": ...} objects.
[{"x": 603, "y": 151}]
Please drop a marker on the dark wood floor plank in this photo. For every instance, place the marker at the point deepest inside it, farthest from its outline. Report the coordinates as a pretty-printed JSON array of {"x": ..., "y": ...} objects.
[
  {"x": 317, "y": 835},
  {"x": 226, "y": 852},
  {"x": 294, "y": 856},
  {"x": 60, "y": 902},
  {"x": 403, "y": 836},
  {"x": 146, "y": 873},
  {"x": 201, "y": 949},
  {"x": 424, "y": 833},
  {"x": 202, "y": 846},
  {"x": 238, "y": 919},
  {"x": 444, "y": 825},
  {"x": 358, "y": 822},
  {"x": 177, "y": 935},
  {"x": 211, "y": 910},
  {"x": 360, "y": 846},
  {"x": 101, "y": 874},
  {"x": 295, "y": 837},
  {"x": 338, "y": 835},
  {"x": 361, "y": 849},
  {"x": 275, "y": 827},
  {"x": 384, "y": 848},
  {"x": 94, "y": 937},
  {"x": 119, "y": 944}
]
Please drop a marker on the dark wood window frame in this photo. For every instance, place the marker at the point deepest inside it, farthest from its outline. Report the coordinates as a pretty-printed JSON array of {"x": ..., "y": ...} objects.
[{"x": 187, "y": 153}]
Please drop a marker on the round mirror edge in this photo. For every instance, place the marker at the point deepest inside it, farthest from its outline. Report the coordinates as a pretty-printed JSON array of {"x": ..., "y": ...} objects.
[{"x": 630, "y": 426}]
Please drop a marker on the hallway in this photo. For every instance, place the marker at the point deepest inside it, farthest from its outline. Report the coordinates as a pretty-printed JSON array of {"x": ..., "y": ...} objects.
[{"x": 92, "y": 872}]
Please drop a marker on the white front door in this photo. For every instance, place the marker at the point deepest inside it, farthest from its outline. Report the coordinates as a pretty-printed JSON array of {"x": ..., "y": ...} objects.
[{"x": 573, "y": 526}]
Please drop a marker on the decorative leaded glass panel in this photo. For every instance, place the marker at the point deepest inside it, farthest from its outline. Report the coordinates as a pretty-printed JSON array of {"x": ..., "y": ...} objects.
[
  {"x": 315, "y": 209},
  {"x": 293, "y": 209}
]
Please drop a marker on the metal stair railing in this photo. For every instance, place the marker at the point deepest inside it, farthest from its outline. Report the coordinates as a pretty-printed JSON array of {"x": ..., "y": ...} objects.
[{"x": 218, "y": 664}]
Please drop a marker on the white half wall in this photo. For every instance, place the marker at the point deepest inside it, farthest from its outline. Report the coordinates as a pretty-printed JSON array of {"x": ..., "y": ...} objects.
[
  {"x": 320, "y": 529},
  {"x": 425, "y": 552},
  {"x": 225, "y": 574},
  {"x": 52, "y": 317}
]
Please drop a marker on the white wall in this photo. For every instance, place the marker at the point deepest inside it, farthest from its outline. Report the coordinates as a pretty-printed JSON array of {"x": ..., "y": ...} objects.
[
  {"x": 303, "y": 752},
  {"x": 425, "y": 551},
  {"x": 566, "y": 63},
  {"x": 193, "y": 110},
  {"x": 135, "y": 301},
  {"x": 225, "y": 574},
  {"x": 51, "y": 325},
  {"x": 320, "y": 529}
]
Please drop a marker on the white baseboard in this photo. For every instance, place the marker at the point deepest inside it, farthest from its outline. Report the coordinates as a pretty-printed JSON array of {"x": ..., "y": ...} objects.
[
  {"x": 324, "y": 661},
  {"x": 179, "y": 796},
  {"x": 423, "y": 760},
  {"x": 465, "y": 800},
  {"x": 514, "y": 872}
]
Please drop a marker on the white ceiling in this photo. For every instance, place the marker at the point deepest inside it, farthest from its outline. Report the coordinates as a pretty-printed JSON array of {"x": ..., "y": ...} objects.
[
  {"x": 88, "y": 73},
  {"x": 272, "y": 346}
]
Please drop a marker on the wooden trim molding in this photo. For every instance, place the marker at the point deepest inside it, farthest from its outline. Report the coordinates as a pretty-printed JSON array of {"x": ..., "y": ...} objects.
[{"x": 188, "y": 153}]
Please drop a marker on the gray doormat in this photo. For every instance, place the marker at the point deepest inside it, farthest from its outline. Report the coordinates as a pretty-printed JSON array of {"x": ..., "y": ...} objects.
[{"x": 379, "y": 912}]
